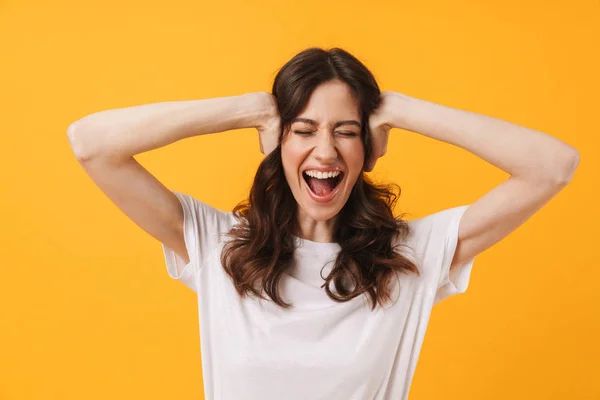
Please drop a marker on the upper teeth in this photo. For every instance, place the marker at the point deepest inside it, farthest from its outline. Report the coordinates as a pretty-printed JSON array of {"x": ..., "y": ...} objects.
[{"x": 322, "y": 175}]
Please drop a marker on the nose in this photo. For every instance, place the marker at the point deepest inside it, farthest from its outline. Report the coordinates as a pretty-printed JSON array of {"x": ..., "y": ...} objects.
[{"x": 325, "y": 149}]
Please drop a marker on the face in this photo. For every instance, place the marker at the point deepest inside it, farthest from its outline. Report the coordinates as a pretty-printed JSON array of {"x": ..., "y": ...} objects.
[{"x": 324, "y": 138}]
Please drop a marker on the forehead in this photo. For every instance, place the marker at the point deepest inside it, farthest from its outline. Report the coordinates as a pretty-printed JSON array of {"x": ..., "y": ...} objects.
[{"x": 330, "y": 102}]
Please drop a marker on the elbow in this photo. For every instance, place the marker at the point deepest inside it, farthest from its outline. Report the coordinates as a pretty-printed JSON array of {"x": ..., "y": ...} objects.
[
  {"x": 78, "y": 136},
  {"x": 74, "y": 136},
  {"x": 567, "y": 167}
]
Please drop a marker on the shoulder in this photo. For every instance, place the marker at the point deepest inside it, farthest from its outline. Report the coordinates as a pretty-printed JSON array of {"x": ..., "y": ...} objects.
[
  {"x": 205, "y": 219},
  {"x": 435, "y": 225},
  {"x": 430, "y": 235},
  {"x": 437, "y": 220}
]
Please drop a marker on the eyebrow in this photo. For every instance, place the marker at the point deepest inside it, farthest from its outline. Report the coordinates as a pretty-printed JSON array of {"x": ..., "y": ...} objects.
[{"x": 339, "y": 123}]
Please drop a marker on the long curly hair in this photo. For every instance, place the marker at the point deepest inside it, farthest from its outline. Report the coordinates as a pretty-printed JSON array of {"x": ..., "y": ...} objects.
[{"x": 263, "y": 243}]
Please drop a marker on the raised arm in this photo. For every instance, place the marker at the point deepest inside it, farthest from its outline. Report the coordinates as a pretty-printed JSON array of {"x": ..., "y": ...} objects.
[
  {"x": 125, "y": 132},
  {"x": 105, "y": 142},
  {"x": 540, "y": 165}
]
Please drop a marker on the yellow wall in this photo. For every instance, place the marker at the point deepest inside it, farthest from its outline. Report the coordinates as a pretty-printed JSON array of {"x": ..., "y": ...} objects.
[{"x": 87, "y": 310}]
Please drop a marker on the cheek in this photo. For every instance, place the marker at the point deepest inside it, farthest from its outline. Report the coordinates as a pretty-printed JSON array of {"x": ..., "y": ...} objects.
[
  {"x": 290, "y": 161},
  {"x": 355, "y": 154}
]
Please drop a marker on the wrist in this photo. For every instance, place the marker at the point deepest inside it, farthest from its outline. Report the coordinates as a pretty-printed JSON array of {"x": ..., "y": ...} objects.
[
  {"x": 256, "y": 107},
  {"x": 400, "y": 110}
]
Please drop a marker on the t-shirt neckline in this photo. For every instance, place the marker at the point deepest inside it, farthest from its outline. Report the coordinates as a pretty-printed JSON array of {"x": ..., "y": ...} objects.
[{"x": 306, "y": 246}]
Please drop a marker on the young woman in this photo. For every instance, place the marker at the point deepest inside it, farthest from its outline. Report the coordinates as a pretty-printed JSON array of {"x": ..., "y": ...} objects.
[{"x": 312, "y": 288}]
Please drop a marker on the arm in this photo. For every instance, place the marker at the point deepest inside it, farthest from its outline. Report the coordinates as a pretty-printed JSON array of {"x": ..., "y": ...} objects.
[
  {"x": 519, "y": 151},
  {"x": 540, "y": 165},
  {"x": 104, "y": 143},
  {"x": 124, "y": 132}
]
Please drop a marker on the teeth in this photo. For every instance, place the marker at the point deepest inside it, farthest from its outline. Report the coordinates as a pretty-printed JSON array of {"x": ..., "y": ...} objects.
[{"x": 322, "y": 175}]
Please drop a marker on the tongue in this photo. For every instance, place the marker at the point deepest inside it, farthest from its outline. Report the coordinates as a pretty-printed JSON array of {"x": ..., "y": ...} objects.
[{"x": 321, "y": 187}]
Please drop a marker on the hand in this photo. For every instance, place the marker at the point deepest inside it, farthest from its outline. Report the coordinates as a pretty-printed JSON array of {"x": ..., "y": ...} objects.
[
  {"x": 269, "y": 123},
  {"x": 380, "y": 125}
]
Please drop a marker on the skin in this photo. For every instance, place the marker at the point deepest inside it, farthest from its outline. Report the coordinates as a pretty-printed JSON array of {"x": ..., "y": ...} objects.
[{"x": 323, "y": 146}]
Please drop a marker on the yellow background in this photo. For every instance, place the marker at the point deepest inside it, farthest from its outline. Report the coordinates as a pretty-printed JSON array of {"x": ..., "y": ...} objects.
[{"x": 87, "y": 310}]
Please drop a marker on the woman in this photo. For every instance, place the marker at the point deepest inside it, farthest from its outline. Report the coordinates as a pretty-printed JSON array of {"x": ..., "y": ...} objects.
[{"x": 312, "y": 289}]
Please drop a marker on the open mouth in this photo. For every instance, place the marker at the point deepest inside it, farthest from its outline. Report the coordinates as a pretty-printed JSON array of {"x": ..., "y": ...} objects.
[{"x": 322, "y": 188}]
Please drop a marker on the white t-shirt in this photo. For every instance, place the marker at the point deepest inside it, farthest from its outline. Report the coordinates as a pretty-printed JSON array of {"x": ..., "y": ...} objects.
[{"x": 319, "y": 349}]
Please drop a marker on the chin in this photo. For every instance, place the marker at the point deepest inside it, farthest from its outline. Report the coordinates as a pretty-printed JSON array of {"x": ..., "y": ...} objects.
[{"x": 320, "y": 214}]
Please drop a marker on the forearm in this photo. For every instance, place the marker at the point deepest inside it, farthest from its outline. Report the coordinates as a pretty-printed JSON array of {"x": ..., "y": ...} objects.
[
  {"x": 124, "y": 132},
  {"x": 517, "y": 150}
]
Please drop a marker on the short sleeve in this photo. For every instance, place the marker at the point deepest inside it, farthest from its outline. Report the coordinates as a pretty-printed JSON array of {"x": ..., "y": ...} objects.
[
  {"x": 203, "y": 226},
  {"x": 435, "y": 237}
]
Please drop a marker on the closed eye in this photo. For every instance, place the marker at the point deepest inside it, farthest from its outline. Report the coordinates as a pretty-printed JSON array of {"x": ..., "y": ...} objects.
[{"x": 341, "y": 133}]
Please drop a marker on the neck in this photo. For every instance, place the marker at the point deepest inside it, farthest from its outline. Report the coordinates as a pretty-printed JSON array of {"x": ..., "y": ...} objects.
[{"x": 314, "y": 230}]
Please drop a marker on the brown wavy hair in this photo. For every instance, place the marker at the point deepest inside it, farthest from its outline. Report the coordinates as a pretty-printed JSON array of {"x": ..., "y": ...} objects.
[{"x": 262, "y": 245}]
